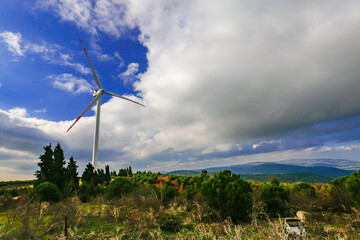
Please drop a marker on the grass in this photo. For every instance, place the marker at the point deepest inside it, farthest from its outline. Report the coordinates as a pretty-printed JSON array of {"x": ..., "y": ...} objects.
[{"x": 137, "y": 217}]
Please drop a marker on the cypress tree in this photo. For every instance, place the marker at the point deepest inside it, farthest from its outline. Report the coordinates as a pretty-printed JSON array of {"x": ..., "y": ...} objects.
[
  {"x": 71, "y": 173},
  {"x": 46, "y": 165},
  {"x": 59, "y": 167},
  {"x": 107, "y": 174},
  {"x": 89, "y": 174}
]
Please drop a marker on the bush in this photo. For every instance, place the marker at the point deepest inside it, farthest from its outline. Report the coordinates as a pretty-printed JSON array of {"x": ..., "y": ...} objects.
[
  {"x": 47, "y": 192},
  {"x": 167, "y": 193},
  {"x": 275, "y": 198},
  {"x": 87, "y": 191},
  {"x": 340, "y": 200},
  {"x": 353, "y": 187},
  {"x": 229, "y": 194},
  {"x": 305, "y": 188},
  {"x": 170, "y": 223},
  {"x": 119, "y": 186}
]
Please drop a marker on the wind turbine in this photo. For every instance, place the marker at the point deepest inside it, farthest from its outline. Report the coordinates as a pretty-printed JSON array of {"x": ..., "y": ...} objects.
[{"x": 97, "y": 98}]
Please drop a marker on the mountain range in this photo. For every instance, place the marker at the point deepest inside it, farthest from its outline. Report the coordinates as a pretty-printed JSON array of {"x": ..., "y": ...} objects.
[{"x": 310, "y": 170}]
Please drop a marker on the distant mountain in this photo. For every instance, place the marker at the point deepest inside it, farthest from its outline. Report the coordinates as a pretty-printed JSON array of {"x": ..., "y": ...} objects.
[
  {"x": 187, "y": 173},
  {"x": 324, "y": 162},
  {"x": 284, "y": 178},
  {"x": 277, "y": 168},
  {"x": 289, "y": 178}
]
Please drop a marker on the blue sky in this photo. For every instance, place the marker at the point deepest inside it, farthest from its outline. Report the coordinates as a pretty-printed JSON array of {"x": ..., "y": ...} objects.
[{"x": 224, "y": 83}]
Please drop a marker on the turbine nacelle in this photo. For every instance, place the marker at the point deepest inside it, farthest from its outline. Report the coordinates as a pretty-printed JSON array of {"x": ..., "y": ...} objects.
[{"x": 97, "y": 92}]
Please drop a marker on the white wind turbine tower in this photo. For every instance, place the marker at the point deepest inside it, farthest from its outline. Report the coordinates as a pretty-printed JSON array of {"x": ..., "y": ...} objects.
[{"x": 97, "y": 98}]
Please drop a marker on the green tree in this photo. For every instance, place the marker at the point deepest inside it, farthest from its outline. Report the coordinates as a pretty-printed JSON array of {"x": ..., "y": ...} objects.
[
  {"x": 275, "y": 198},
  {"x": 305, "y": 188},
  {"x": 52, "y": 167},
  {"x": 107, "y": 174},
  {"x": 47, "y": 192},
  {"x": 46, "y": 165},
  {"x": 229, "y": 194},
  {"x": 275, "y": 181},
  {"x": 89, "y": 174},
  {"x": 353, "y": 187},
  {"x": 59, "y": 167},
  {"x": 340, "y": 199},
  {"x": 122, "y": 172},
  {"x": 120, "y": 186},
  {"x": 72, "y": 179}
]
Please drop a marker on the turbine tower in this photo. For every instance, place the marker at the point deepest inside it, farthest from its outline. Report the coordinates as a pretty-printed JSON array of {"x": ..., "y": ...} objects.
[{"x": 97, "y": 99}]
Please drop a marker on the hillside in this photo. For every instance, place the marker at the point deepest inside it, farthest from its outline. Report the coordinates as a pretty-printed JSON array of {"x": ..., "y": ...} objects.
[
  {"x": 324, "y": 162},
  {"x": 276, "y": 168},
  {"x": 289, "y": 178},
  {"x": 285, "y": 178}
]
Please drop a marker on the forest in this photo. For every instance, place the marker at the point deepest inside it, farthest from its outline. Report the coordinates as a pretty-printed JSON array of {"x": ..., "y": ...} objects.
[{"x": 105, "y": 204}]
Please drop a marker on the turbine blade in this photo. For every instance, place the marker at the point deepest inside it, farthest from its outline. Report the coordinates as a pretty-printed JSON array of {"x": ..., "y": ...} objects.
[
  {"x": 119, "y": 96},
  {"x": 92, "y": 68},
  {"x": 86, "y": 109}
]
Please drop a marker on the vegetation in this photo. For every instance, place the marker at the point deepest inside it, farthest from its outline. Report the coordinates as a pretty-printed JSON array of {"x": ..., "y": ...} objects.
[
  {"x": 144, "y": 205},
  {"x": 46, "y": 192},
  {"x": 120, "y": 186},
  {"x": 284, "y": 178},
  {"x": 353, "y": 187},
  {"x": 229, "y": 194}
]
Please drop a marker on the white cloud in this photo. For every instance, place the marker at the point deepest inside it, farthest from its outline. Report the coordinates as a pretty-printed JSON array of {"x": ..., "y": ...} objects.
[
  {"x": 66, "y": 60},
  {"x": 18, "y": 112},
  {"x": 228, "y": 72},
  {"x": 13, "y": 42},
  {"x": 50, "y": 52},
  {"x": 117, "y": 55},
  {"x": 347, "y": 148},
  {"x": 129, "y": 75},
  {"x": 43, "y": 110},
  {"x": 70, "y": 83}
]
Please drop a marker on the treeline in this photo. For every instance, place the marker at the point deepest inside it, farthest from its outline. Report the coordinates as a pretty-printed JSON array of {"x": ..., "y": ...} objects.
[
  {"x": 17, "y": 182},
  {"x": 227, "y": 193}
]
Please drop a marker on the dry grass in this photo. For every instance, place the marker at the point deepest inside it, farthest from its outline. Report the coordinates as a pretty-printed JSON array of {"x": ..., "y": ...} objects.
[{"x": 136, "y": 216}]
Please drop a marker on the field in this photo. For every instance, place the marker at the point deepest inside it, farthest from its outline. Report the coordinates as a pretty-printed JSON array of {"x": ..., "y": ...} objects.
[
  {"x": 143, "y": 214},
  {"x": 138, "y": 217}
]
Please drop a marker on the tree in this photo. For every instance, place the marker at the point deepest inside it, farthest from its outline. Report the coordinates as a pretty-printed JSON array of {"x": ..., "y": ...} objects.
[
  {"x": 229, "y": 194},
  {"x": 47, "y": 192},
  {"x": 107, "y": 174},
  {"x": 59, "y": 167},
  {"x": 89, "y": 174},
  {"x": 119, "y": 186},
  {"x": 275, "y": 198},
  {"x": 52, "y": 167},
  {"x": 353, "y": 187},
  {"x": 72, "y": 178},
  {"x": 275, "y": 181},
  {"x": 340, "y": 199},
  {"x": 46, "y": 162},
  {"x": 125, "y": 172}
]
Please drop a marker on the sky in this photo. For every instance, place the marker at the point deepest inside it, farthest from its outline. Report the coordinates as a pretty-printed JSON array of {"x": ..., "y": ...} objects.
[{"x": 224, "y": 82}]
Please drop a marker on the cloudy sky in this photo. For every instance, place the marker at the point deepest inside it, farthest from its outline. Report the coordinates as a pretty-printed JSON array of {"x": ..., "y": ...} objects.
[{"x": 224, "y": 82}]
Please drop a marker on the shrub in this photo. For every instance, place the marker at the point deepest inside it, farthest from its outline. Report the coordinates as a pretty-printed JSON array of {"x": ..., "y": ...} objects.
[
  {"x": 275, "y": 198},
  {"x": 87, "y": 191},
  {"x": 47, "y": 192},
  {"x": 353, "y": 187},
  {"x": 340, "y": 200},
  {"x": 305, "y": 188},
  {"x": 170, "y": 223},
  {"x": 119, "y": 186},
  {"x": 275, "y": 181},
  {"x": 167, "y": 193},
  {"x": 229, "y": 194}
]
